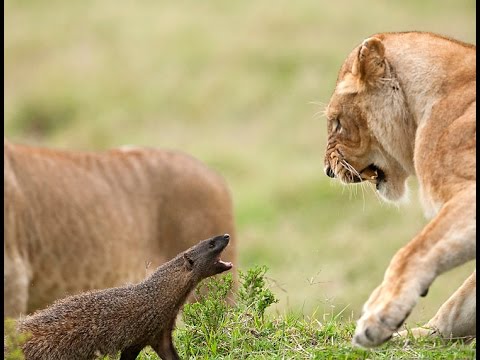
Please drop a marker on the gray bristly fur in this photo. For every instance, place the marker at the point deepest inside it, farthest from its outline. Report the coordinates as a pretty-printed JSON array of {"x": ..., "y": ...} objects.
[{"x": 125, "y": 318}]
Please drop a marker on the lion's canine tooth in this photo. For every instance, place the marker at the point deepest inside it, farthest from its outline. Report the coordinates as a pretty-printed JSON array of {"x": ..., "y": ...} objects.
[{"x": 369, "y": 174}]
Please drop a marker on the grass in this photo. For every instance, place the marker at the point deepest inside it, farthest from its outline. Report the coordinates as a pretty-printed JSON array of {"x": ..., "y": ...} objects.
[
  {"x": 214, "y": 330},
  {"x": 215, "y": 327},
  {"x": 237, "y": 84}
]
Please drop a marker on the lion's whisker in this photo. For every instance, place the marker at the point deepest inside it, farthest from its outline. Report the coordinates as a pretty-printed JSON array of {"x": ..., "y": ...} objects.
[
  {"x": 363, "y": 194},
  {"x": 319, "y": 113},
  {"x": 352, "y": 172},
  {"x": 319, "y": 103},
  {"x": 351, "y": 169},
  {"x": 375, "y": 192}
]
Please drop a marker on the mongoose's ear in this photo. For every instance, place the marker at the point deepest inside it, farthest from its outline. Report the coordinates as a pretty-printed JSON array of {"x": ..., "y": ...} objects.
[
  {"x": 188, "y": 261},
  {"x": 369, "y": 64}
]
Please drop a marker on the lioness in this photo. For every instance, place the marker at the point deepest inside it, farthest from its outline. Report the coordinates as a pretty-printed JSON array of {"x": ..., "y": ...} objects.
[
  {"x": 75, "y": 221},
  {"x": 404, "y": 104}
]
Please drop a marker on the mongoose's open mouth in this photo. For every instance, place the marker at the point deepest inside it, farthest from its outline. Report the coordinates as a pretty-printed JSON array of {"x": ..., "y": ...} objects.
[
  {"x": 219, "y": 265},
  {"x": 222, "y": 266},
  {"x": 221, "y": 242}
]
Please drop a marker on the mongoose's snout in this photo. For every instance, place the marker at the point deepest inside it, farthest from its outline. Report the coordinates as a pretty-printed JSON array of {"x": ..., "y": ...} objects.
[
  {"x": 204, "y": 258},
  {"x": 222, "y": 241},
  {"x": 217, "y": 244}
]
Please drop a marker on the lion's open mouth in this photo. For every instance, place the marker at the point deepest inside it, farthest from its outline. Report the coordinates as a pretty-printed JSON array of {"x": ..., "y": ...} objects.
[{"x": 373, "y": 174}]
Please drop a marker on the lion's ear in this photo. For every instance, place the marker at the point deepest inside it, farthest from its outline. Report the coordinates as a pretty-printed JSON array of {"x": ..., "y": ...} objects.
[{"x": 369, "y": 64}]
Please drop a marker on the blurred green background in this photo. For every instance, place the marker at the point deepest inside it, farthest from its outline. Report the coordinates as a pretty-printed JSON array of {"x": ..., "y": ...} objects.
[{"x": 241, "y": 85}]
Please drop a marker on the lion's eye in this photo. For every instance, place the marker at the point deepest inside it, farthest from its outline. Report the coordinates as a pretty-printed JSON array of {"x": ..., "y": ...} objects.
[{"x": 336, "y": 125}]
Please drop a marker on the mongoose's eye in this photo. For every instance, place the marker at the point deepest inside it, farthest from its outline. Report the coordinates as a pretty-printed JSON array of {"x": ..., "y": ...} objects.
[{"x": 211, "y": 245}]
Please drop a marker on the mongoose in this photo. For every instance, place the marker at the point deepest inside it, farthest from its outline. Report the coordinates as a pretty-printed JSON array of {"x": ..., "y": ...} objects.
[{"x": 125, "y": 318}]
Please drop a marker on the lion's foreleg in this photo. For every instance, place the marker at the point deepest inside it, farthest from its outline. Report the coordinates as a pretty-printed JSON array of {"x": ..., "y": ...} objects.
[{"x": 446, "y": 242}]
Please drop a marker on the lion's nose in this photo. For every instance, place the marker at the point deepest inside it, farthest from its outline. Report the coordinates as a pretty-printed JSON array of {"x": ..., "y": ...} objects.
[{"x": 329, "y": 172}]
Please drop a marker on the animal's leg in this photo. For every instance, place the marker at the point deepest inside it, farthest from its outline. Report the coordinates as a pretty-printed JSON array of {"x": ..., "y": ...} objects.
[
  {"x": 456, "y": 318},
  {"x": 131, "y": 352},
  {"x": 15, "y": 286},
  {"x": 164, "y": 347},
  {"x": 446, "y": 242}
]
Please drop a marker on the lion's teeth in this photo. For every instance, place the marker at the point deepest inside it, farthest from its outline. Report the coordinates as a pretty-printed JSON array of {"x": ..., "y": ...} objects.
[{"x": 369, "y": 174}]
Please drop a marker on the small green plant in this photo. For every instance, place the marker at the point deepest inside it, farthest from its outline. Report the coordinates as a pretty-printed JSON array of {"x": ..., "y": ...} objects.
[
  {"x": 211, "y": 307},
  {"x": 212, "y": 325},
  {"x": 253, "y": 293},
  {"x": 205, "y": 320},
  {"x": 12, "y": 341}
]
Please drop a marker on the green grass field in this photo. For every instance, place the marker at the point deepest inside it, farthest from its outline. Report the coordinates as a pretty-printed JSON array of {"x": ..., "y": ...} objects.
[
  {"x": 240, "y": 85},
  {"x": 213, "y": 328}
]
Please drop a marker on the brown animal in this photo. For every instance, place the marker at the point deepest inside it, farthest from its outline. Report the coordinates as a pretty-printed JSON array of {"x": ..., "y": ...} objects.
[
  {"x": 404, "y": 104},
  {"x": 76, "y": 221},
  {"x": 126, "y": 318}
]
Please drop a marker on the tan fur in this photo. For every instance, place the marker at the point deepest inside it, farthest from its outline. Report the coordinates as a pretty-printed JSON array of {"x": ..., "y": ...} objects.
[
  {"x": 126, "y": 318},
  {"x": 405, "y": 103},
  {"x": 75, "y": 221}
]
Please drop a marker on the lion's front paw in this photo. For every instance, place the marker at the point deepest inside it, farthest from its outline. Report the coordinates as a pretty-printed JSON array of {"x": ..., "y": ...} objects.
[
  {"x": 382, "y": 317},
  {"x": 371, "y": 331}
]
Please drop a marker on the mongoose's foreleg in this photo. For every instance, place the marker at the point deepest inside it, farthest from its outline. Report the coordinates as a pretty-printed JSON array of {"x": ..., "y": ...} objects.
[
  {"x": 164, "y": 347},
  {"x": 131, "y": 352}
]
